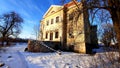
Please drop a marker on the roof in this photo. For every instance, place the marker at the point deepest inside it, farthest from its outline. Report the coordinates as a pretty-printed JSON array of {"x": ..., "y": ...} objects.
[
  {"x": 51, "y": 7},
  {"x": 50, "y": 10},
  {"x": 70, "y": 3}
]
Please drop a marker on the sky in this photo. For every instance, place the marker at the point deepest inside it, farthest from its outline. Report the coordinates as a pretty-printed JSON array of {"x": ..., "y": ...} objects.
[{"x": 31, "y": 11}]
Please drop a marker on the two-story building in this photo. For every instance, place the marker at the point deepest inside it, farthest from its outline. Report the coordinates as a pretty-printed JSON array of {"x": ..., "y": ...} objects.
[{"x": 69, "y": 25}]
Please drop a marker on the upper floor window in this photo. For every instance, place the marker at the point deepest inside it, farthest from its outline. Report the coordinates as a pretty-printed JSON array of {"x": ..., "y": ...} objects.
[
  {"x": 70, "y": 31},
  {"x": 71, "y": 16},
  {"x": 52, "y": 21},
  {"x": 57, "y": 19},
  {"x": 47, "y": 22},
  {"x": 52, "y": 11},
  {"x": 56, "y": 34}
]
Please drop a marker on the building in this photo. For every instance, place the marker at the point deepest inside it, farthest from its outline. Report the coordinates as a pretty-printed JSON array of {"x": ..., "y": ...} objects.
[{"x": 69, "y": 25}]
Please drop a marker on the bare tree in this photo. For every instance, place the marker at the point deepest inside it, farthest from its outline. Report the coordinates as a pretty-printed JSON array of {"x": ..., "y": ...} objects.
[
  {"x": 112, "y": 6},
  {"x": 36, "y": 29},
  {"x": 108, "y": 34},
  {"x": 10, "y": 25}
]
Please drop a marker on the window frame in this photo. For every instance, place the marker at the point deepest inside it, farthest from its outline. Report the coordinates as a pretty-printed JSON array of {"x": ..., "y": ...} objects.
[
  {"x": 46, "y": 36},
  {"x": 56, "y": 34},
  {"x": 47, "y": 22},
  {"x": 52, "y": 21},
  {"x": 71, "y": 16},
  {"x": 57, "y": 19},
  {"x": 51, "y": 36}
]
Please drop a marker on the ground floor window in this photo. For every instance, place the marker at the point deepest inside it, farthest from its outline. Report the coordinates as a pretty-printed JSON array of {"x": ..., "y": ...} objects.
[
  {"x": 51, "y": 36},
  {"x": 46, "y": 35},
  {"x": 56, "y": 34}
]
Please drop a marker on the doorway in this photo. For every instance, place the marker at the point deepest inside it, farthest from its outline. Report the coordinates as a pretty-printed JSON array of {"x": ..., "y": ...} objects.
[{"x": 51, "y": 36}]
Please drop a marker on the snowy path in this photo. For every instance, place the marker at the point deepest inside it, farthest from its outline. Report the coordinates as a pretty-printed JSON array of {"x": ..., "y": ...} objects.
[
  {"x": 12, "y": 57},
  {"x": 24, "y": 62}
]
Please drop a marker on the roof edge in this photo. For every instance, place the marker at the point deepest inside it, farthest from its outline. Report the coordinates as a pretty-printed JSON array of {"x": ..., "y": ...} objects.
[{"x": 50, "y": 8}]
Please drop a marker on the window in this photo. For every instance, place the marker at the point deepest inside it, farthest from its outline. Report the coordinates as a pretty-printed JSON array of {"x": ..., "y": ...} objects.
[
  {"x": 46, "y": 35},
  {"x": 52, "y": 11},
  {"x": 57, "y": 19},
  {"x": 71, "y": 32},
  {"x": 71, "y": 35},
  {"x": 51, "y": 36},
  {"x": 56, "y": 34},
  {"x": 47, "y": 22},
  {"x": 52, "y": 21},
  {"x": 71, "y": 16}
]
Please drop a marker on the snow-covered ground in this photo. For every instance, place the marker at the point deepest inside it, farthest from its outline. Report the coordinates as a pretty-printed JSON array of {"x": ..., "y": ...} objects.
[
  {"x": 12, "y": 57},
  {"x": 15, "y": 57}
]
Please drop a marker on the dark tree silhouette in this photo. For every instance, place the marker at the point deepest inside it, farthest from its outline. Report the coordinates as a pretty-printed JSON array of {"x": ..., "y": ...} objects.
[
  {"x": 112, "y": 6},
  {"x": 10, "y": 25},
  {"x": 108, "y": 34}
]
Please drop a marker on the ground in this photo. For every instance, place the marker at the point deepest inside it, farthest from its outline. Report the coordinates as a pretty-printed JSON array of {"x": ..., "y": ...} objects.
[{"x": 15, "y": 57}]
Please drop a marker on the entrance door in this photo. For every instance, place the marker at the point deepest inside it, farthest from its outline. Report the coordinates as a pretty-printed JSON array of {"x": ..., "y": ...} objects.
[{"x": 51, "y": 36}]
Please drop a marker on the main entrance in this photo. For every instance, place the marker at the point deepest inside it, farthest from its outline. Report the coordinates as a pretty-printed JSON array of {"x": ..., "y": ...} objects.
[{"x": 51, "y": 36}]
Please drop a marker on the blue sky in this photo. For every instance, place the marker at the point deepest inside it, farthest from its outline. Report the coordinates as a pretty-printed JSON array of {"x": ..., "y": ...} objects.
[{"x": 30, "y": 10}]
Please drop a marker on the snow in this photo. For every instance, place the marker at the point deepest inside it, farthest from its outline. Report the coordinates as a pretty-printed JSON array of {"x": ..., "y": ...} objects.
[
  {"x": 11, "y": 56},
  {"x": 51, "y": 60},
  {"x": 15, "y": 57}
]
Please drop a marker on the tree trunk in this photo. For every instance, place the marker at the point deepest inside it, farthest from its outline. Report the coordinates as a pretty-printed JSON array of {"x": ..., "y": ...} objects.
[
  {"x": 64, "y": 28},
  {"x": 115, "y": 14},
  {"x": 7, "y": 41},
  {"x": 117, "y": 30},
  {"x": 3, "y": 41}
]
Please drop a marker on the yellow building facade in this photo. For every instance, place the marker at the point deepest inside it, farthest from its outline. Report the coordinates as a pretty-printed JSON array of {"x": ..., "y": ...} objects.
[
  {"x": 67, "y": 25},
  {"x": 51, "y": 25}
]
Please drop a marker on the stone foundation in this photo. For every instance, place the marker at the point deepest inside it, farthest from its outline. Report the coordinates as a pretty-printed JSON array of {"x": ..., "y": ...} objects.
[
  {"x": 80, "y": 48},
  {"x": 36, "y": 46}
]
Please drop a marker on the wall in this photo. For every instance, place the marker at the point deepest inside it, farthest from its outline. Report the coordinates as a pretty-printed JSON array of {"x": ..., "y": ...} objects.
[
  {"x": 76, "y": 40},
  {"x": 53, "y": 27}
]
